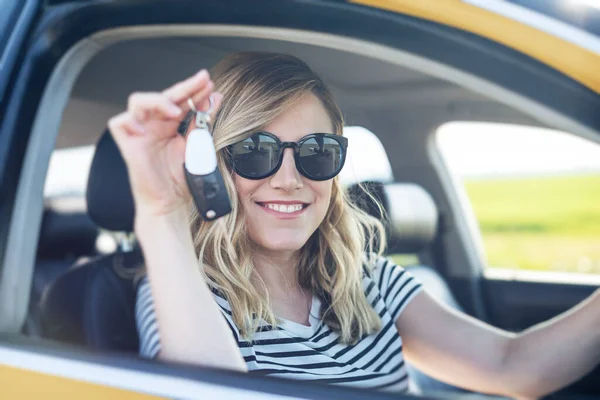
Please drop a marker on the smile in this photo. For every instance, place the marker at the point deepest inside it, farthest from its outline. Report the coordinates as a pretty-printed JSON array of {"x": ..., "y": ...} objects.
[{"x": 284, "y": 208}]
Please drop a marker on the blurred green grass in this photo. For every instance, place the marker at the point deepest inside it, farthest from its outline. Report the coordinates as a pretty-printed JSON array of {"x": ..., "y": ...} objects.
[{"x": 541, "y": 223}]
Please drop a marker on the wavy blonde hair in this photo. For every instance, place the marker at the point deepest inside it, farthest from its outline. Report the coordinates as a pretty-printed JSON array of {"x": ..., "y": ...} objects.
[{"x": 257, "y": 87}]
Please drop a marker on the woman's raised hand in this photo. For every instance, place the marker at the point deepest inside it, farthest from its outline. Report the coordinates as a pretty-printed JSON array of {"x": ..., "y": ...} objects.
[{"x": 154, "y": 152}]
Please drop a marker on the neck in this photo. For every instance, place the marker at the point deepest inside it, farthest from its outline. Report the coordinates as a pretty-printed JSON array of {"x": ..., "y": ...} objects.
[{"x": 278, "y": 271}]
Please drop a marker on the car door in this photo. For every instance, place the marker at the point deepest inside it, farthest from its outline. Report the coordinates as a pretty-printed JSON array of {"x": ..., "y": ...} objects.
[
  {"x": 16, "y": 21},
  {"x": 548, "y": 267}
]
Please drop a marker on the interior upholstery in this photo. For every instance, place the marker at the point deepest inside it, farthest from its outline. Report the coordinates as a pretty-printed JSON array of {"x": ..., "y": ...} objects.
[{"x": 93, "y": 304}]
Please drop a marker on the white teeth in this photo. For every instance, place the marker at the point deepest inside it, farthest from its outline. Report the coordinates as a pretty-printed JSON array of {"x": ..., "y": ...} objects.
[{"x": 282, "y": 208}]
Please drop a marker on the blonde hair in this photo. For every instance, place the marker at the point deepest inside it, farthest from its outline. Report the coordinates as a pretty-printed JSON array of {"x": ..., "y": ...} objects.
[{"x": 257, "y": 87}]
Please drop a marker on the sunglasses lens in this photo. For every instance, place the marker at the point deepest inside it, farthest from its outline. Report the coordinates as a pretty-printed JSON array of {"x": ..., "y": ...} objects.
[
  {"x": 256, "y": 156},
  {"x": 321, "y": 157}
]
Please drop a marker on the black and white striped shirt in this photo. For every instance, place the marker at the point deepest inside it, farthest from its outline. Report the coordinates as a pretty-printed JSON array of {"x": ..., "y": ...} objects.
[{"x": 313, "y": 353}]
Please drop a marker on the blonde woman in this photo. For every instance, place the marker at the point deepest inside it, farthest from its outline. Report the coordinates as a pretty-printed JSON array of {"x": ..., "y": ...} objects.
[{"x": 290, "y": 283}]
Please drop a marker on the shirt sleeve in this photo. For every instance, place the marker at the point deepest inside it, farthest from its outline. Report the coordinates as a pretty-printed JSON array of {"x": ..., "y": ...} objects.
[
  {"x": 396, "y": 285},
  {"x": 145, "y": 318},
  {"x": 147, "y": 326}
]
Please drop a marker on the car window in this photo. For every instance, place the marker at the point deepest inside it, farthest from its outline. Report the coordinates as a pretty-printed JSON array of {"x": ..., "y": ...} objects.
[
  {"x": 535, "y": 194},
  {"x": 68, "y": 171}
]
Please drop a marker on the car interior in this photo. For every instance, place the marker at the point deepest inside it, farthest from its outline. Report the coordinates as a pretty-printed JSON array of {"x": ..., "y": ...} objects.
[{"x": 83, "y": 295}]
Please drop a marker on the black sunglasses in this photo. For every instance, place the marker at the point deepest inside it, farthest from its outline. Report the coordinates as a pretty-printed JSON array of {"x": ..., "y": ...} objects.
[{"x": 318, "y": 156}]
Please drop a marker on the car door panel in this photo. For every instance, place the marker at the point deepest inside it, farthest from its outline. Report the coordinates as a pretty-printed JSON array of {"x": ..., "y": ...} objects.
[
  {"x": 517, "y": 305},
  {"x": 32, "y": 369}
]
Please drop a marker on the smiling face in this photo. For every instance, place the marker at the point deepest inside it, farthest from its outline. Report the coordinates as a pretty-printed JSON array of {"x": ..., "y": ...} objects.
[{"x": 285, "y": 209}]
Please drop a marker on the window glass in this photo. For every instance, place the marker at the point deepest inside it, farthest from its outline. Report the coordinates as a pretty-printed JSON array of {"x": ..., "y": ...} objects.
[
  {"x": 535, "y": 193},
  {"x": 68, "y": 171}
]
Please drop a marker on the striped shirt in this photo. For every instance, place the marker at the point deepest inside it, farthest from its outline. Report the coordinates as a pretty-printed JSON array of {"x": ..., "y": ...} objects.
[{"x": 313, "y": 353}]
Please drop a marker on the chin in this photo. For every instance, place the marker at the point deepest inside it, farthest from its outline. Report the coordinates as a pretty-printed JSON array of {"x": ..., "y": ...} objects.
[{"x": 282, "y": 242}]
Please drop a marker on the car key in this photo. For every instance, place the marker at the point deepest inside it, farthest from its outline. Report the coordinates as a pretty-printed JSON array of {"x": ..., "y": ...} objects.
[{"x": 201, "y": 171}]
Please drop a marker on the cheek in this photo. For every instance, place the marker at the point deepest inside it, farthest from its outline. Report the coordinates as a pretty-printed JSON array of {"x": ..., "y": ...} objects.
[
  {"x": 322, "y": 192},
  {"x": 244, "y": 187}
]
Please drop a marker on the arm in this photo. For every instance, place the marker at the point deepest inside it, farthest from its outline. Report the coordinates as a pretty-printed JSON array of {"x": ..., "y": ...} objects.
[
  {"x": 191, "y": 325},
  {"x": 458, "y": 349}
]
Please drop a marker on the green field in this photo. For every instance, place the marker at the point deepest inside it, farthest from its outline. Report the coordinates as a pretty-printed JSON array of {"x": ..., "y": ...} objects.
[{"x": 542, "y": 223}]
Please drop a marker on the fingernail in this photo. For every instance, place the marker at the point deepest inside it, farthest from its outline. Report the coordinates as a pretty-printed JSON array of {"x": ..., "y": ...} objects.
[{"x": 202, "y": 72}]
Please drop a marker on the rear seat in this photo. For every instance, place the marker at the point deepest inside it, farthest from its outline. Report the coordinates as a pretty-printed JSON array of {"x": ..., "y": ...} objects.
[{"x": 93, "y": 305}]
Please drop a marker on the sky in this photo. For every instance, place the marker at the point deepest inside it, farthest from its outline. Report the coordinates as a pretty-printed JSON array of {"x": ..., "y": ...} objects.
[{"x": 472, "y": 150}]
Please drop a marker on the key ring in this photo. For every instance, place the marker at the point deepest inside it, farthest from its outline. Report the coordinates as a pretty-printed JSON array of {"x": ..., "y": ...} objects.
[
  {"x": 202, "y": 117},
  {"x": 193, "y": 106}
]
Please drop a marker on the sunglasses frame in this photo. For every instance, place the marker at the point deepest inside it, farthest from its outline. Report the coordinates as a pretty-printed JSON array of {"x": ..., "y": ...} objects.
[{"x": 343, "y": 141}]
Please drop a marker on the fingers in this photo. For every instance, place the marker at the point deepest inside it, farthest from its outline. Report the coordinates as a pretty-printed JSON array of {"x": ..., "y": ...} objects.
[
  {"x": 169, "y": 105},
  {"x": 181, "y": 91},
  {"x": 145, "y": 106},
  {"x": 201, "y": 98},
  {"x": 124, "y": 123}
]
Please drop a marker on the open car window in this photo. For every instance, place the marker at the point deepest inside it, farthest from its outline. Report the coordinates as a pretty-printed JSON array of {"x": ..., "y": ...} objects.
[{"x": 535, "y": 194}]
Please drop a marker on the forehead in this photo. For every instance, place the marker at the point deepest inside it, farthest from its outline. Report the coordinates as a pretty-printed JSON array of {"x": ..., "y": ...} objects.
[{"x": 306, "y": 116}]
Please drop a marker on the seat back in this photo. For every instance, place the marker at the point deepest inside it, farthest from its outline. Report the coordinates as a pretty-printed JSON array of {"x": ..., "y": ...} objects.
[
  {"x": 66, "y": 236},
  {"x": 93, "y": 304}
]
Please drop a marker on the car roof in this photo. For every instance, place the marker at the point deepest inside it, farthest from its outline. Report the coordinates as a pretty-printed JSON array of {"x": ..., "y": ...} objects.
[{"x": 551, "y": 42}]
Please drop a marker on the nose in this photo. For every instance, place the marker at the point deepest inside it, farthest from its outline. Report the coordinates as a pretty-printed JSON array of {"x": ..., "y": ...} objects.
[{"x": 287, "y": 177}]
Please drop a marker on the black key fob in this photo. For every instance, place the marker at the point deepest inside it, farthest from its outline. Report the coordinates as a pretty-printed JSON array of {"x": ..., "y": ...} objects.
[{"x": 209, "y": 193}]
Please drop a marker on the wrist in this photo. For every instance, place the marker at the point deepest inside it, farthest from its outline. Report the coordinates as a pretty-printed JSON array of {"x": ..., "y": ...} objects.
[{"x": 148, "y": 222}]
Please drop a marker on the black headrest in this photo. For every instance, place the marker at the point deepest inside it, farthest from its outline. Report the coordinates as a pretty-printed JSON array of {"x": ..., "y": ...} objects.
[{"x": 108, "y": 195}]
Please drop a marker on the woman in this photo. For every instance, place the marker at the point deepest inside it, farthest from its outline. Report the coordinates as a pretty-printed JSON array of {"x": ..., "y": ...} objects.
[{"x": 285, "y": 285}]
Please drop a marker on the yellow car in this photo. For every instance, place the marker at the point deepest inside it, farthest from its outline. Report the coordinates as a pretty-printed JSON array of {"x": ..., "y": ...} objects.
[{"x": 400, "y": 70}]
